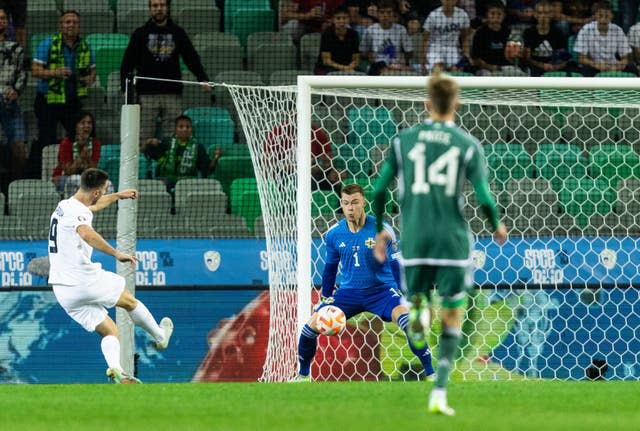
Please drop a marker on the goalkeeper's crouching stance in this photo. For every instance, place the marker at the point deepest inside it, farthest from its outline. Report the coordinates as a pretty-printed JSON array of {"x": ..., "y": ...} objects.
[{"x": 367, "y": 285}]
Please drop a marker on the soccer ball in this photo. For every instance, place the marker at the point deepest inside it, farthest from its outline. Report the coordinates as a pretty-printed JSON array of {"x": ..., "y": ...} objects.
[{"x": 331, "y": 320}]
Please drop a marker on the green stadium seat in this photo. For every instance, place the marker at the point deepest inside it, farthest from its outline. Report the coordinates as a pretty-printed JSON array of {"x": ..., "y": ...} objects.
[
  {"x": 229, "y": 168},
  {"x": 613, "y": 162},
  {"x": 107, "y": 152},
  {"x": 230, "y": 150},
  {"x": 204, "y": 112},
  {"x": 246, "y": 21},
  {"x": 108, "y": 59},
  {"x": 370, "y": 126},
  {"x": 257, "y": 39},
  {"x": 49, "y": 161},
  {"x": 309, "y": 51},
  {"x": 507, "y": 162},
  {"x": 560, "y": 74},
  {"x": 221, "y": 58},
  {"x": 191, "y": 185},
  {"x": 584, "y": 197},
  {"x": 32, "y": 202},
  {"x": 197, "y": 19},
  {"x": 203, "y": 40},
  {"x": 154, "y": 212},
  {"x": 109, "y": 40},
  {"x": 616, "y": 74},
  {"x": 559, "y": 162},
  {"x": 129, "y": 19},
  {"x": 247, "y": 205},
  {"x": 213, "y": 130},
  {"x": 231, "y": 6},
  {"x": 269, "y": 57},
  {"x": 286, "y": 77}
]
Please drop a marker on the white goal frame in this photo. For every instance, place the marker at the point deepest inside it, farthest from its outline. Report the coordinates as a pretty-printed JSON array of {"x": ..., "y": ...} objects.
[{"x": 306, "y": 86}]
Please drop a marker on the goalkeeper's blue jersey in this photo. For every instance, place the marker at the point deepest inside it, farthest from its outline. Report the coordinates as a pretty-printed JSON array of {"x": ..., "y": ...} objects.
[{"x": 354, "y": 251}]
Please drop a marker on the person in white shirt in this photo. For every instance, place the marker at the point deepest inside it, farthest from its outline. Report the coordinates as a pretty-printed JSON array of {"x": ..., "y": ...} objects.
[
  {"x": 634, "y": 42},
  {"x": 387, "y": 45},
  {"x": 446, "y": 30},
  {"x": 602, "y": 46},
  {"x": 83, "y": 289}
]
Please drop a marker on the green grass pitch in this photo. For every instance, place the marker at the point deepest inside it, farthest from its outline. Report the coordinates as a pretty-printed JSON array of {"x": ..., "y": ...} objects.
[{"x": 494, "y": 406}]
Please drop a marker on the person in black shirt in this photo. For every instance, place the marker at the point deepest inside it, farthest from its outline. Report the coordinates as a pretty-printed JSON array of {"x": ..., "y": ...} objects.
[
  {"x": 545, "y": 48},
  {"x": 154, "y": 51},
  {"x": 490, "y": 41},
  {"x": 339, "y": 45}
]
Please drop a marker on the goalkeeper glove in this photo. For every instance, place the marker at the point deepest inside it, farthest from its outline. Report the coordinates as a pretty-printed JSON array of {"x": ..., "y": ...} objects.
[{"x": 323, "y": 301}]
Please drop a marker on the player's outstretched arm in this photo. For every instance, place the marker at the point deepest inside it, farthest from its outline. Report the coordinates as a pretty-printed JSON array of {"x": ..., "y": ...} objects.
[
  {"x": 95, "y": 240},
  {"x": 107, "y": 200}
]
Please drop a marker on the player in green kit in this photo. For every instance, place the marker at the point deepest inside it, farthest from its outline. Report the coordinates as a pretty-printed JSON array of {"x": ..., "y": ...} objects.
[{"x": 431, "y": 160}]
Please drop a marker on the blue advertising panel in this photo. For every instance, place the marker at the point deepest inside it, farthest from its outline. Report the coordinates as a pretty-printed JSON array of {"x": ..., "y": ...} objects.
[{"x": 202, "y": 262}]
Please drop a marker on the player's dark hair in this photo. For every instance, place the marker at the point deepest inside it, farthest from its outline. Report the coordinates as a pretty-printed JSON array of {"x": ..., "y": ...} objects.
[
  {"x": 352, "y": 189},
  {"x": 180, "y": 118},
  {"x": 92, "y": 179},
  {"x": 442, "y": 92},
  {"x": 79, "y": 117},
  {"x": 496, "y": 4}
]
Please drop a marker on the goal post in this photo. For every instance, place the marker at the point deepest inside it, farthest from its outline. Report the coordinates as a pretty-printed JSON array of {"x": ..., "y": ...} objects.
[{"x": 564, "y": 166}]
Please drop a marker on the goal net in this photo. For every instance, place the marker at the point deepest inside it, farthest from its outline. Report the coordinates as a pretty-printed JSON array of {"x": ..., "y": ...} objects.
[{"x": 557, "y": 301}]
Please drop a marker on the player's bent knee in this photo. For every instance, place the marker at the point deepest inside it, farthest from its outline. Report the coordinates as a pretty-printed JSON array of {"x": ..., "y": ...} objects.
[{"x": 127, "y": 301}]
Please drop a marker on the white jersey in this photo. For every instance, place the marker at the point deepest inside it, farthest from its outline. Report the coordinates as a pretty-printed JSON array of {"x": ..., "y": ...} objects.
[
  {"x": 444, "y": 31},
  {"x": 601, "y": 47},
  {"x": 69, "y": 256}
]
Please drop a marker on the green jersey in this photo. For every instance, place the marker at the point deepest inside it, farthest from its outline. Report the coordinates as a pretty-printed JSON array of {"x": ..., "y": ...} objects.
[{"x": 431, "y": 161}]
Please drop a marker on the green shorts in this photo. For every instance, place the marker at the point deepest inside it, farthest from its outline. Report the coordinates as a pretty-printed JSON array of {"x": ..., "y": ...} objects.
[{"x": 452, "y": 282}]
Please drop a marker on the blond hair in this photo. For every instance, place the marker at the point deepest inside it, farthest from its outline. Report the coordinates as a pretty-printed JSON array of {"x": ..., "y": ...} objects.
[{"x": 442, "y": 92}]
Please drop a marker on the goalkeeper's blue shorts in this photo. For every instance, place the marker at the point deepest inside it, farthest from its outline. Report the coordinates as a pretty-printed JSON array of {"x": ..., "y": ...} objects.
[{"x": 377, "y": 300}]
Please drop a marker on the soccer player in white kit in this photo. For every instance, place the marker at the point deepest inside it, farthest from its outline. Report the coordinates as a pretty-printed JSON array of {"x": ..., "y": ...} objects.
[{"x": 81, "y": 286}]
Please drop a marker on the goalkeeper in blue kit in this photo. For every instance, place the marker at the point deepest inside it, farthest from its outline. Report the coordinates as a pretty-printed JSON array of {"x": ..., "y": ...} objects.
[
  {"x": 431, "y": 160},
  {"x": 367, "y": 285}
]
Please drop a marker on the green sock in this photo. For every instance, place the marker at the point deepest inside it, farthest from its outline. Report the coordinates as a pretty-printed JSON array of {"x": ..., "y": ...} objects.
[{"x": 449, "y": 342}]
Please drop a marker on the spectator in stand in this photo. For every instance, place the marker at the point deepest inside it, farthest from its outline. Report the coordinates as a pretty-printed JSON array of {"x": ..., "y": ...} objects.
[
  {"x": 77, "y": 152},
  {"x": 180, "y": 155},
  {"x": 571, "y": 15},
  {"x": 409, "y": 18},
  {"x": 66, "y": 67},
  {"x": 362, "y": 13},
  {"x": 387, "y": 45},
  {"x": 339, "y": 45},
  {"x": 12, "y": 81},
  {"x": 601, "y": 45},
  {"x": 299, "y": 17},
  {"x": 520, "y": 11},
  {"x": 544, "y": 46},
  {"x": 154, "y": 51},
  {"x": 490, "y": 43},
  {"x": 446, "y": 30},
  {"x": 421, "y": 8},
  {"x": 280, "y": 144},
  {"x": 634, "y": 42},
  {"x": 17, "y": 10}
]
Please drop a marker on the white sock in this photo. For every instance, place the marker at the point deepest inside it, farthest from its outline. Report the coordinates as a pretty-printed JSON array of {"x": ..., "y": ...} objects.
[
  {"x": 439, "y": 394},
  {"x": 110, "y": 346},
  {"x": 142, "y": 317}
]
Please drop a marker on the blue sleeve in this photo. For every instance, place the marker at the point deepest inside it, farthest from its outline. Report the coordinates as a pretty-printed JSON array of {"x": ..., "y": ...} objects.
[
  {"x": 42, "y": 53},
  {"x": 329, "y": 279}
]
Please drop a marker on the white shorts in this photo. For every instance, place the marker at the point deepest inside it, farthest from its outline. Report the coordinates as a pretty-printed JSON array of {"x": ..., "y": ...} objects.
[
  {"x": 88, "y": 305},
  {"x": 449, "y": 56}
]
